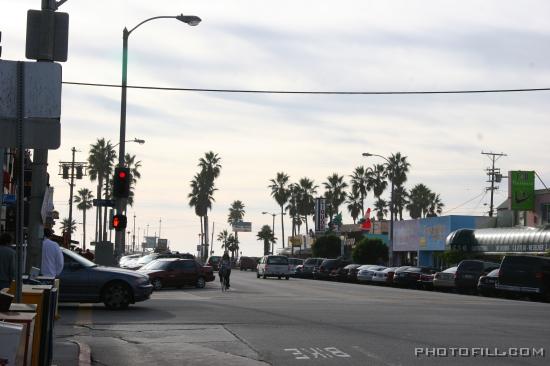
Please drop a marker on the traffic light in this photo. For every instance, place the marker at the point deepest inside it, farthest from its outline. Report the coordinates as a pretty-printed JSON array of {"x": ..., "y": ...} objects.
[
  {"x": 121, "y": 182},
  {"x": 118, "y": 222},
  {"x": 79, "y": 173},
  {"x": 65, "y": 169}
]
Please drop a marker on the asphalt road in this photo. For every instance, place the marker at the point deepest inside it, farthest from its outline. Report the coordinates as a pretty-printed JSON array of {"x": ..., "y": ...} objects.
[{"x": 306, "y": 322}]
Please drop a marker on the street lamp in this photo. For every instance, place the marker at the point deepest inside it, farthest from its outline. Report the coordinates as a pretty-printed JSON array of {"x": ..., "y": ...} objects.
[
  {"x": 121, "y": 203},
  {"x": 273, "y": 225},
  {"x": 390, "y": 243}
]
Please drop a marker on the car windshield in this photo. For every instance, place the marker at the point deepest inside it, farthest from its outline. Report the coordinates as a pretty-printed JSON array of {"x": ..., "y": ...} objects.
[
  {"x": 148, "y": 258},
  {"x": 78, "y": 258},
  {"x": 156, "y": 265},
  {"x": 277, "y": 260}
]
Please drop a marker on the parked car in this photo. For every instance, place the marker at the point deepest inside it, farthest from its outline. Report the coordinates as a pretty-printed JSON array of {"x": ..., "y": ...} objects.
[
  {"x": 176, "y": 272},
  {"x": 214, "y": 262},
  {"x": 273, "y": 266},
  {"x": 383, "y": 276},
  {"x": 83, "y": 281},
  {"x": 411, "y": 277},
  {"x": 397, "y": 271},
  {"x": 328, "y": 266},
  {"x": 468, "y": 273},
  {"x": 127, "y": 258},
  {"x": 524, "y": 274},
  {"x": 350, "y": 272},
  {"x": 293, "y": 262},
  {"x": 298, "y": 271},
  {"x": 308, "y": 267},
  {"x": 365, "y": 274},
  {"x": 245, "y": 263},
  {"x": 486, "y": 284},
  {"x": 445, "y": 280}
]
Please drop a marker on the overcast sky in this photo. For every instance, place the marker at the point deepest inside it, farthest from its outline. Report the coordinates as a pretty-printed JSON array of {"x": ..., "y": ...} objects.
[{"x": 301, "y": 45}]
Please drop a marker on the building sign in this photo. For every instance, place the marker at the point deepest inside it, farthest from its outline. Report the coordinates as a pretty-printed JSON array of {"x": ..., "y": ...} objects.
[
  {"x": 242, "y": 226},
  {"x": 512, "y": 248},
  {"x": 320, "y": 214},
  {"x": 522, "y": 190}
]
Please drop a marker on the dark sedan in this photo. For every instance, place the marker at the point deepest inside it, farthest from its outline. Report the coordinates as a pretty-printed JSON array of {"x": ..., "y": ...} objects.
[
  {"x": 412, "y": 276},
  {"x": 309, "y": 266},
  {"x": 83, "y": 281},
  {"x": 175, "y": 272}
]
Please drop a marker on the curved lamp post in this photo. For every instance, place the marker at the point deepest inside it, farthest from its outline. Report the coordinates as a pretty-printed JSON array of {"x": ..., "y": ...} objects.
[
  {"x": 272, "y": 226},
  {"x": 121, "y": 203},
  {"x": 390, "y": 243}
]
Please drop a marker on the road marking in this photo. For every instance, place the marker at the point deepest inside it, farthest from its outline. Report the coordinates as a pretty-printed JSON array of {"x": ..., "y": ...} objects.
[
  {"x": 372, "y": 355},
  {"x": 312, "y": 353}
]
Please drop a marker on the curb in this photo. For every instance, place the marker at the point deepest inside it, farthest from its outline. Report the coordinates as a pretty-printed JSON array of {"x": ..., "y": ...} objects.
[{"x": 84, "y": 354}]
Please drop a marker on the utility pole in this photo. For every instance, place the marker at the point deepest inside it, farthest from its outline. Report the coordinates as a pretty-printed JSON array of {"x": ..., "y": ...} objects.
[
  {"x": 160, "y": 225},
  {"x": 494, "y": 176},
  {"x": 134, "y": 235},
  {"x": 65, "y": 167}
]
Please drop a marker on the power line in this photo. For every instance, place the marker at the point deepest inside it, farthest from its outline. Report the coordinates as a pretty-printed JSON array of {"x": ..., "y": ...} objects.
[
  {"x": 464, "y": 203},
  {"x": 252, "y": 91}
]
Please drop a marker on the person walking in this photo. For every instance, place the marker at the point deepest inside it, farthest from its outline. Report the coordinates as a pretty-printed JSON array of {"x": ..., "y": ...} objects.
[
  {"x": 52, "y": 256},
  {"x": 7, "y": 261}
]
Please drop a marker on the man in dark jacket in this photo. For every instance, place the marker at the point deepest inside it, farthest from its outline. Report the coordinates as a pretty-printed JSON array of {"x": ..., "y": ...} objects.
[{"x": 7, "y": 261}]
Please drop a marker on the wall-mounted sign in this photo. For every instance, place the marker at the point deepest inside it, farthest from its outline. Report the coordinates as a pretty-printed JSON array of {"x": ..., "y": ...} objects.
[{"x": 522, "y": 190}]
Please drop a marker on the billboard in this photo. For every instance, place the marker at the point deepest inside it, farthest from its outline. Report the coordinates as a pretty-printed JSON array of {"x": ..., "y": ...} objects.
[
  {"x": 242, "y": 226},
  {"x": 320, "y": 214},
  {"x": 162, "y": 244},
  {"x": 522, "y": 190}
]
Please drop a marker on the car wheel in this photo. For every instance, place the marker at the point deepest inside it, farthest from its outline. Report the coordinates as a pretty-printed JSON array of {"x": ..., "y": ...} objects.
[
  {"x": 287, "y": 277},
  {"x": 279, "y": 277},
  {"x": 116, "y": 296},
  {"x": 157, "y": 284},
  {"x": 257, "y": 275},
  {"x": 200, "y": 282},
  {"x": 264, "y": 276}
]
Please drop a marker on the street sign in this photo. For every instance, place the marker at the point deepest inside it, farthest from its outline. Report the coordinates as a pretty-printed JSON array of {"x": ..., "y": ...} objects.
[
  {"x": 242, "y": 226},
  {"x": 320, "y": 214},
  {"x": 41, "y": 92},
  {"x": 103, "y": 203}
]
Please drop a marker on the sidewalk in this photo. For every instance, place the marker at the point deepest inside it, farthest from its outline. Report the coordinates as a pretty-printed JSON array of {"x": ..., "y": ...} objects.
[{"x": 70, "y": 353}]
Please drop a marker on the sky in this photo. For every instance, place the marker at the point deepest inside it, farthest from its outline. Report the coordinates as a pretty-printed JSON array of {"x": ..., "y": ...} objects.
[{"x": 332, "y": 45}]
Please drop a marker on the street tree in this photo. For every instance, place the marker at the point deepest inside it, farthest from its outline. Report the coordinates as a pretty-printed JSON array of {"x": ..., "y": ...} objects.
[
  {"x": 236, "y": 214},
  {"x": 306, "y": 189},
  {"x": 84, "y": 200},
  {"x": 381, "y": 208},
  {"x": 334, "y": 193},
  {"x": 266, "y": 235},
  {"x": 370, "y": 251},
  {"x": 66, "y": 227},
  {"x": 326, "y": 246},
  {"x": 354, "y": 202},
  {"x": 101, "y": 160},
  {"x": 360, "y": 183},
  {"x": 210, "y": 170},
  {"x": 397, "y": 170},
  {"x": 419, "y": 201},
  {"x": 281, "y": 193}
]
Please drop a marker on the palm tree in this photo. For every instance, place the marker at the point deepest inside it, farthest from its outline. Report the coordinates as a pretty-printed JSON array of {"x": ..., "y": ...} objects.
[
  {"x": 223, "y": 236},
  {"x": 292, "y": 207},
  {"x": 397, "y": 170},
  {"x": 419, "y": 201},
  {"x": 400, "y": 200},
  {"x": 134, "y": 166},
  {"x": 201, "y": 198},
  {"x": 281, "y": 193},
  {"x": 266, "y": 235},
  {"x": 211, "y": 167},
  {"x": 306, "y": 189},
  {"x": 360, "y": 183},
  {"x": 334, "y": 194},
  {"x": 377, "y": 180},
  {"x": 232, "y": 245},
  {"x": 65, "y": 227},
  {"x": 435, "y": 206},
  {"x": 355, "y": 205},
  {"x": 380, "y": 206},
  {"x": 84, "y": 203},
  {"x": 100, "y": 165},
  {"x": 236, "y": 214}
]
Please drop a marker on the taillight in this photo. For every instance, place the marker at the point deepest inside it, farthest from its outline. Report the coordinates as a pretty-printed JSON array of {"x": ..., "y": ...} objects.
[{"x": 539, "y": 275}]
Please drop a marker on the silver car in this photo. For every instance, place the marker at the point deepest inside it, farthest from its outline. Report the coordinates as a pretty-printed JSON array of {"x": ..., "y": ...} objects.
[
  {"x": 274, "y": 266},
  {"x": 445, "y": 280},
  {"x": 365, "y": 274}
]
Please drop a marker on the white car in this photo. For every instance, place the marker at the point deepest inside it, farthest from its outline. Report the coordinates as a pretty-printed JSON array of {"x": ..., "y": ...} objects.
[
  {"x": 382, "y": 275},
  {"x": 273, "y": 266},
  {"x": 365, "y": 274}
]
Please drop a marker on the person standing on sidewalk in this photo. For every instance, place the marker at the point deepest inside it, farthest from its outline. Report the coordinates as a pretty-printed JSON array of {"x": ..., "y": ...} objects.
[
  {"x": 52, "y": 256},
  {"x": 7, "y": 261}
]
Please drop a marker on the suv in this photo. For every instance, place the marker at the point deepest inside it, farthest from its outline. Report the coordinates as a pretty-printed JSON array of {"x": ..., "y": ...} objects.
[
  {"x": 273, "y": 266},
  {"x": 308, "y": 267},
  {"x": 524, "y": 274},
  {"x": 468, "y": 272},
  {"x": 327, "y": 267},
  {"x": 245, "y": 263},
  {"x": 214, "y": 262}
]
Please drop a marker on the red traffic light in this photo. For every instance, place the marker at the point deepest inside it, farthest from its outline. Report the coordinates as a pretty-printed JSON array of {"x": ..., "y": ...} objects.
[
  {"x": 122, "y": 174},
  {"x": 119, "y": 222}
]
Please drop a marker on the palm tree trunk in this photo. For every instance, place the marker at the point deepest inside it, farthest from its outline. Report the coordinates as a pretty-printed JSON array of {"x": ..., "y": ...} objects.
[
  {"x": 282, "y": 226},
  {"x": 202, "y": 236},
  {"x": 100, "y": 221},
  {"x": 84, "y": 229},
  {"x": 305, "y": 219},
  {"x": 206, "y": 237}
]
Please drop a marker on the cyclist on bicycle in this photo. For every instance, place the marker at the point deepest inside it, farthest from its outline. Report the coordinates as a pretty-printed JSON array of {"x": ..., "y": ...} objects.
[{"x": 225, "y": 269}]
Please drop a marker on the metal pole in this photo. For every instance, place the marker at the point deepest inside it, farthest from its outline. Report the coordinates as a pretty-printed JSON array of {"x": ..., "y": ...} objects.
[
  {"x": 390, "y": 246},
  {"x": 20, "y": 183},
  {"x": 160, "y": 226},
  {"x": 71, "y": 197},
  {"x": 134, "y": 236}
]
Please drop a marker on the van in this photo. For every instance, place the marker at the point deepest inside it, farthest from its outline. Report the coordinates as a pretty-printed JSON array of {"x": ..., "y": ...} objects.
[
  {"x": 523, "y": 274},
  {"x": 468, "y": 272},
  {"x": 273, "y": 266},
  {"x": 245, "y": 263}
]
